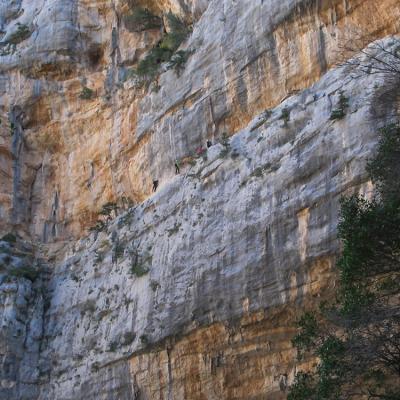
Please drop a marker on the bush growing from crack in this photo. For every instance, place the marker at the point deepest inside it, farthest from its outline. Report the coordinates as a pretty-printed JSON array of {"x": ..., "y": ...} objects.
[
  {"x": 142, "y": 19},
  {"x": 178, "y": 32},
  {"x": 86, "y": 93},
  {"x": 12, "y": 128},
  {"x": 225, "y": 142},
  {"x": 119, "y": 250},
  {"x": 99, "y": 226},
  {"x": 144, "y": 339},
  {"x": 99, "y": 257},
  {"x": 28, "y": 272},
  {"x": 149, "y": 67},
  {"x": 285, "y": 115},
  {"x": 340, "y": 111},
  {"x": 139, "y": 270},
  {"x": 179, "y": 59},
  {"x": 129, "y": 337},
  {"x": 174, "y": 229},
  {"x": 22, "y": 33},
  {"x": 9, "y": 237},
  {"x": 113, "y": 347},
  {"x": 263, "y": 119},
  {"x": 108, "y": 209},
  {"x": 139, "y": 260}
]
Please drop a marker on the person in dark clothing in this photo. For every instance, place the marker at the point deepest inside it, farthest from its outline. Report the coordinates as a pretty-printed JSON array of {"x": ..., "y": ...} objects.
[
  {"x": 155, "y": 185},
  {"x": 177, "y": 169},
  {"x": 209, "y": 143}
]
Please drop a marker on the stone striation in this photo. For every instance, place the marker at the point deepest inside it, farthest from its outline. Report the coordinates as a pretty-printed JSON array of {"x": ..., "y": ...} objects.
[
  {"x": 195, "y": 290},
  {"x": 77, "y": 154},
  {"x": 21, "y": 321}
]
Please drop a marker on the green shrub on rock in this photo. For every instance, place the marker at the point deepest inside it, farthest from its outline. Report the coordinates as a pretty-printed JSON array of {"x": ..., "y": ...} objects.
[
  {"x": 340, "y": 112},
  {"x": 22, "y": 33},
  {"x": 149, "y": 67},
  {"x": 9, "y": 237},
  {"x": 142, "y": 19},
  {"x": 86, "y": 93},
  {"x": 28, "y": 272}
]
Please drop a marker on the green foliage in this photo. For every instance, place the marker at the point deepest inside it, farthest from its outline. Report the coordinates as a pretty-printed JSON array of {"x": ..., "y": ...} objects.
[
  {"x": 305, "y": 339},
  {"x": 144, "y": 339},
  {"x": 357, "y": 341},
  {"x": 9, "y": 237},
  {"x": 340, "y": 112},
  {"x": 98, "y": 227},
  {"x": 139, "y": 269},
  {"x": 28, "y": 272},
  {"x": 263, "y": 119},
  {"x": 142, "y": 19},
  {"x": 177, "y": 34},
  {"x": 285, "y": 116},
  {"x": 113, "y": 347},
  {"x": 119, "y": 250},
  {"x": 95, "y": 367},
  {"x": 7, "y": 49},
  {"x": 149, "y": 67},
  {"x": 12, "y": 128},
  {"x": 22, "y": 33},
  {"x": 227, "y": 146},
  {"x": 108, "y": 209},
  {"x": 178, "y": 60},
  {"x": 302, "y": 388},
  {"x": 86, "y": 93},
  {"x": 384, "y": 168},
  {"x": 174, "y": 229},
  {"x": 99, "y": 257},
  {"x": 129, "y": 337},
  {"x": 258, "y": 172},
  {"x": 370, "y": 229}
]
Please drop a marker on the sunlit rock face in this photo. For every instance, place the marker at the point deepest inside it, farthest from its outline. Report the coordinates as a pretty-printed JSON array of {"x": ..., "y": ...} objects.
[
  {"x": 190, "y": 292},
  {"x": 70, "y": 155}
]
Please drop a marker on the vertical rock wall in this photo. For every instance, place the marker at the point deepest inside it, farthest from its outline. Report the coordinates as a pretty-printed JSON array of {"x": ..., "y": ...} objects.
[{"x": 77, "y": 154}]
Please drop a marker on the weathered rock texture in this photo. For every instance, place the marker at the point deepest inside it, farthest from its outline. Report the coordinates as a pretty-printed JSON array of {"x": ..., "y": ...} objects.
[
  {"x": 192, "y": 292},
  {"x": 21, "y": 322},
  {"x": 73, "y": 155}
]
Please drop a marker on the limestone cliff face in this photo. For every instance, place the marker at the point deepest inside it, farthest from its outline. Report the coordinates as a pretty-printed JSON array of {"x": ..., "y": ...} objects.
[
  {"x": 69, "y": 155},
  {"x": 191, "y": 292}
]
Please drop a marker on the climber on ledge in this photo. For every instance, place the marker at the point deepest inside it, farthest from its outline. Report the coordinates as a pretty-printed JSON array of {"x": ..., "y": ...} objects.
[
  {"x": 200, "y": 151},
  {"x": 209, "y": 144},
  {"x": 155, "y": 185},
  {"x": 177, "y": 169}
]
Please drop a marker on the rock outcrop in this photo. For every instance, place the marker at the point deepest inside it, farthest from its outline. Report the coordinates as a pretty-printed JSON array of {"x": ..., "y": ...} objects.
[
  {"x": 190, "y": 292},
  {"x": 77, "y": 154},
  {"x": 21, "y": 319}
]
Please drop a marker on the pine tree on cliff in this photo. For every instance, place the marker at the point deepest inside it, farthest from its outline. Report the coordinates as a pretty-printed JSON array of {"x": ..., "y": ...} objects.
[{"x": 356, "y": 340}]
